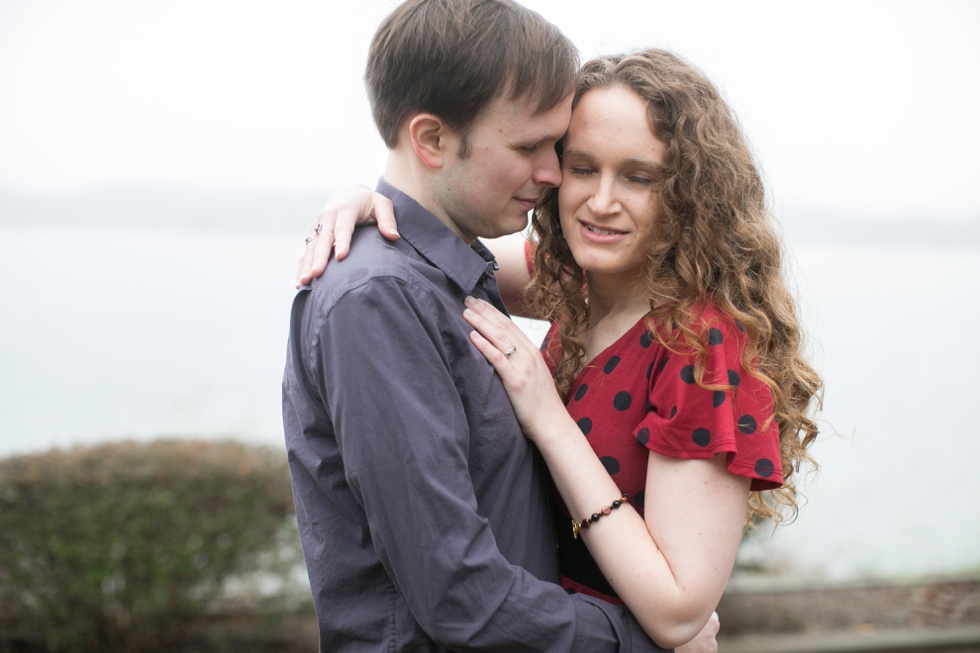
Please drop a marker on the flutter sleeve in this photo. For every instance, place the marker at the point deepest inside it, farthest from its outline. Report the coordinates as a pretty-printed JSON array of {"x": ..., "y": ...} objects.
[{"x": 732, "y": 416}]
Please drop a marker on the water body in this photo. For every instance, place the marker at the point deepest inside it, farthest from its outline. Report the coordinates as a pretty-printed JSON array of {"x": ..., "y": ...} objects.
[{"x": 113, "y": 332}]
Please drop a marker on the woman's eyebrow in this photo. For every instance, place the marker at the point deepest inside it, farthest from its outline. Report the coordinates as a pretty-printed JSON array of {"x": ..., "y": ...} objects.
[
  {"x": 578, "y": 154},
  {"x": 642, "y": 163},
  {"x": 631, "y": 162}
]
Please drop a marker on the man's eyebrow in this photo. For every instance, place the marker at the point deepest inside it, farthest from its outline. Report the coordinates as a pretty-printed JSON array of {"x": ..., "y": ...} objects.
[{"x": 541, "y": 140}]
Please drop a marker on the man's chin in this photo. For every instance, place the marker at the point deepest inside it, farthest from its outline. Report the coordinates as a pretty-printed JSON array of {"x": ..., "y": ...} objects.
[{"x": 522, "y": 220}]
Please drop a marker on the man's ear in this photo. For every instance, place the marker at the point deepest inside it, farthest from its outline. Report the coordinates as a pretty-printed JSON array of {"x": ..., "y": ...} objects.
[{"x": 429, "y": 137}]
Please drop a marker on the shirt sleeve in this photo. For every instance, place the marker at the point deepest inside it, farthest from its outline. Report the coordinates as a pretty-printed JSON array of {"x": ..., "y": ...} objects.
[
  {"x": 404, "y": 438},
  {"x": 688, "y": 421}
]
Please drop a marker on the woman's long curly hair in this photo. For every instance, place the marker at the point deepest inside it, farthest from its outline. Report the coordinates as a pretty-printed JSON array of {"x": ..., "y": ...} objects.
[{"x": 716, "y": 244}]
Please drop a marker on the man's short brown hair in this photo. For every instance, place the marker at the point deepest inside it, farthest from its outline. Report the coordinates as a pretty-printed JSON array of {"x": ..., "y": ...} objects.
[{"x": 452, "y": 58}]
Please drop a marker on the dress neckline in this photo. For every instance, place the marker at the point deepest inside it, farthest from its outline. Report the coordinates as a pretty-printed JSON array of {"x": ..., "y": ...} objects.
[{"x": 603, "y": 356}]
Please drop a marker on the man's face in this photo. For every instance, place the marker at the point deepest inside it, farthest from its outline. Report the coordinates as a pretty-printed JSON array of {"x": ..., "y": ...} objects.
[{"x": 511, "y": 161}]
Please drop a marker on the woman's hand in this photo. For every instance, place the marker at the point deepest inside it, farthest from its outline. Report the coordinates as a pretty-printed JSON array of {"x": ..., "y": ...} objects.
[
  {"x": 335, "y": 223},
  {"x": 520, "y": 366}
]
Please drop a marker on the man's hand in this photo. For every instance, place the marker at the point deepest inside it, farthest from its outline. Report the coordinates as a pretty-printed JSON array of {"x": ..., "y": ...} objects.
[
  {"x": 335, "y": 223},
  {"x": 706, "y": 641}
]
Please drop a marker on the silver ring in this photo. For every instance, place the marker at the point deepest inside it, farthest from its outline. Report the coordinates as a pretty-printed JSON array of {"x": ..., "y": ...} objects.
[
  {"x": 510, "y": 352},
  {"x": 316, "y": 232}
]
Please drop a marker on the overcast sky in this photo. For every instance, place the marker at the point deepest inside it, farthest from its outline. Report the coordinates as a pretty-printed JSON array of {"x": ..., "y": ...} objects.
[{"x": 866, "y": 108}]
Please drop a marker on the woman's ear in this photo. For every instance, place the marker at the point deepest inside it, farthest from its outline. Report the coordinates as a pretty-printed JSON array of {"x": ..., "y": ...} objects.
[{"x": 428, "y": 134}]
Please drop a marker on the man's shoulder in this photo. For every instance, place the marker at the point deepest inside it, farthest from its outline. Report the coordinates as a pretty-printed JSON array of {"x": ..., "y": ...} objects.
[
  {"x": 370, "y": 253},
  {"x": 374, "y": 266},
  {"x": 371, "y": 256}
]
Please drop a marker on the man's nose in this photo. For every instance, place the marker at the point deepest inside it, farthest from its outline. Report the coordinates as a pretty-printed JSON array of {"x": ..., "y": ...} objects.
[{"x": 547, "y": 169}]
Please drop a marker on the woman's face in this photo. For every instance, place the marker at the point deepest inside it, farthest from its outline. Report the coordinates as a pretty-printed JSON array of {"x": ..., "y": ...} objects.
[{"x": 606, "y": 202}]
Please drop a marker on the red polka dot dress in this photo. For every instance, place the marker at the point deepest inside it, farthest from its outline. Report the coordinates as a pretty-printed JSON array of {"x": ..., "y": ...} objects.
[{"x": 637, "y": 396}]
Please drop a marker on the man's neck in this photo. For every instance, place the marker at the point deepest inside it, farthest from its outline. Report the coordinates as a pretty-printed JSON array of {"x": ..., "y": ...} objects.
[
  {"x": 399, "y": 173},
  {"x": 403, "y": 173}
]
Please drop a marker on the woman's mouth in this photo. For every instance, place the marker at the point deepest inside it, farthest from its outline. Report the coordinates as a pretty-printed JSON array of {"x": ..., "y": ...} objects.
[{"x": 602, "y": 232}]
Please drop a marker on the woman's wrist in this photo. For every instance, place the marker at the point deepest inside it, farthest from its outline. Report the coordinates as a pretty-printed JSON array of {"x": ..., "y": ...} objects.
[{"x": 551, "y": 427}]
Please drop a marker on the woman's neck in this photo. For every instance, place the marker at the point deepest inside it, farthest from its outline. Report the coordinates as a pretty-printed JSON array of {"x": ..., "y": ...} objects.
[
  {"x": 614, "y": 307},
  {"x": 613, "y": 298}
]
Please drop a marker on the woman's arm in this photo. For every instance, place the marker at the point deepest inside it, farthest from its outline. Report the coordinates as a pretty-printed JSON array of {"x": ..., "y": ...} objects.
[
  {"x": 671, "y": 567},
  {"x": 359, "y": 205}
]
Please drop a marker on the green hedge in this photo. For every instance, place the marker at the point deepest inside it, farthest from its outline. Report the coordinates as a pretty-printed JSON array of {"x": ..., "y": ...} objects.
[{"x": 118, "y": 547}]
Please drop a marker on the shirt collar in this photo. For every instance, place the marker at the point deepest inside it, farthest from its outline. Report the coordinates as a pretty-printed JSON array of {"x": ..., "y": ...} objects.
[{"x": 463, "y": 264}]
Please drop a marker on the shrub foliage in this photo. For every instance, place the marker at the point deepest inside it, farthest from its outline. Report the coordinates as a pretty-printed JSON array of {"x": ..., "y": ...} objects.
[{"x": 118, "y": 547}]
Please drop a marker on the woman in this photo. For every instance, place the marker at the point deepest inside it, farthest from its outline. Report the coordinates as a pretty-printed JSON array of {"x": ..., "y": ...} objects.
[{"x": 674, "y": 347}]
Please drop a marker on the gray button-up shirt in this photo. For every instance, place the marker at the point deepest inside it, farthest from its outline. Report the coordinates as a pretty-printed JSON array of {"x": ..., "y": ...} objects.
[{"x": 421, "y": 506}]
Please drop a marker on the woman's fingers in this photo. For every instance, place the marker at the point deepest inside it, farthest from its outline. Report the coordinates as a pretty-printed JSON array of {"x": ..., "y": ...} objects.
[
  {"x": 318, "y": 245},
  {"x": 345, "y": 220},
  {"x": 525, "y": 375},
  {"x": 496, "y": 328},
  {"x": 335, "y": 224},
  {"x": 362, "y": 209},
  {"x": 384, "y": 213},
  {"x": 488, "y": 349}
]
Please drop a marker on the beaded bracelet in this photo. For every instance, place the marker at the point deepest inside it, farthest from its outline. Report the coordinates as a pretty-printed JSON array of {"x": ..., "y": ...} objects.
[{"x": 606, "y": 510}]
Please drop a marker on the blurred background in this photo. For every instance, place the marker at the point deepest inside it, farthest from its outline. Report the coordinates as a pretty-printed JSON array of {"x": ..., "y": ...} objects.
[{"x": 161, "y": 162}]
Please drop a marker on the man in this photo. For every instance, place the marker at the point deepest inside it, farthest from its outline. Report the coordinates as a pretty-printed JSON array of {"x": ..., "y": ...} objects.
[{"x": 421, "y": 506}]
